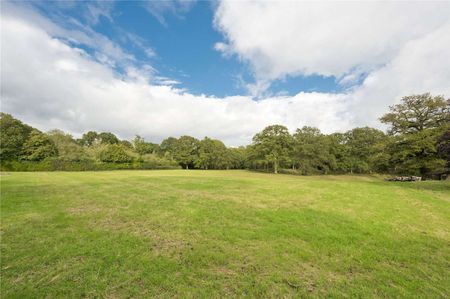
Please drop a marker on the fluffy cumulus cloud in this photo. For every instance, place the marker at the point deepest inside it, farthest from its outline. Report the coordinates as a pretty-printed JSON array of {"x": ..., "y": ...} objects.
[
  {"x": 329, "y": 38},
  {"x": 422, "y": 65},
  {"x": 50, "y": 82},
  {"x": 378, "y": 50}
]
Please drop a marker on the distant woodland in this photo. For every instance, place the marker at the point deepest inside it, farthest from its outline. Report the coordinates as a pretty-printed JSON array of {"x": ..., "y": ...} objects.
[{"x": 416, "y": 143}]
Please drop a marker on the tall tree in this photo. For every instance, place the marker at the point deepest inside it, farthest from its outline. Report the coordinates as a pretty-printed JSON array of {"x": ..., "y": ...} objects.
[
  {"x": 444, "y": 149},
  {"x": 142, "y": 147},
  {"x": 363, "y": 144},
  {"x": 89, "y": 138},
  {"x": 238, "y": 157},
  {"x": 168, "y": 147},
  {"x": 212, "y": 154},
  {"x": 108, "y": 138},
  {"x": 311, "y": 151},
  {"x": 416, "y": 113},
  {"x": 274, "y": 144},
  {"x": 416, "y": 154},
  {"x": 13, "y": 135},
  {"x": 417, "y": 124},
  {"x": 340, "y": 151},
  {"x": 186, "y": 152}
]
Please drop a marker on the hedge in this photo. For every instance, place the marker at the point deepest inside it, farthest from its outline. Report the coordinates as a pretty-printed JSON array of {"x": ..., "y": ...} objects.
[{"x": 59, "y": 165}]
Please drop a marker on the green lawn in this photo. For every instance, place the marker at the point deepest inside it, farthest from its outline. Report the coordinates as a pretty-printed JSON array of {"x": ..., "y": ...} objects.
[{"x": 178, "y": 233}]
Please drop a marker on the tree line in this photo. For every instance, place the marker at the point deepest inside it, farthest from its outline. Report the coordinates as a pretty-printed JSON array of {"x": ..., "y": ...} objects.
[{"x": 416, "y": 143}]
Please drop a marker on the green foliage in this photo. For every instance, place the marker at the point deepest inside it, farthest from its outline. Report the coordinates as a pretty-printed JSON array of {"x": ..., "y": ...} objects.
[
  {"x": 416, "y": 154},
  {"x": 55, "y": 164},
  {"x": 237, "y": 157},
  {"x": 212, "y": 154},
  {"x": 38, "y": 147},
  {"x": 418, "y": 123},
  {"x": 168, "y": 147},
  {"x": 186, "y": 151},
  {"x": 126, "y": 144},
  {"x": 311, "y": 152},
  {"x": 89, "y": 138},
  {"x": 155, "y": 162},
  {"x": 68, "y": 149},
  {"x": 417, "y": 144},
  {"x": 142, "y": 147},
  {"x": 417, "y": 113},
  {"x": 273, "y": 145},
  {"x": 108, "y": 138},
  {"x": 444, "y": 148},
  {"x": 13, "y": 135},
  {"x": 341, "y": 152},
  {"x": 114, "y": 153},
  {"x": 364, "y": 144}
]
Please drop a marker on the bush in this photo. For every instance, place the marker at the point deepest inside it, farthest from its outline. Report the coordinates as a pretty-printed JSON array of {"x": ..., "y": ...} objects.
[
  {"x": 55, "y": 164},
  {"x": 116, "y": 154}
]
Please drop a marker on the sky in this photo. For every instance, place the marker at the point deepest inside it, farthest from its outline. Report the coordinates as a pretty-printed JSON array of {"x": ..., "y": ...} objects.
[{"x": 223, "y": 69}]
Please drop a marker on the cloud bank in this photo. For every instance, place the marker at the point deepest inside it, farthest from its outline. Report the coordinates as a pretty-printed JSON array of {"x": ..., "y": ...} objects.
[
  {"x": 52, "y": 83},
  {"x": 329, "y": 38}
]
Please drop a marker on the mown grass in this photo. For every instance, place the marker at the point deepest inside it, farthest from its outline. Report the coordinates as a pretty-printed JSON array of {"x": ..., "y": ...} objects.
[{"x": 178, "y": 233}]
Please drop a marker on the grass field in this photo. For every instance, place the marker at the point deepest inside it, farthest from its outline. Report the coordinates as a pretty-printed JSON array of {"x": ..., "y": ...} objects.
[{"x": 179, "y": 233}]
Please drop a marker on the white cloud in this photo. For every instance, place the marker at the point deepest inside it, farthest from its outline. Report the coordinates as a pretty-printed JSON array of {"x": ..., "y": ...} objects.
[
  {"x": 56, "y": 85},
  {"x": 50, "y": 83},
  {"x": 74, "y": 32},
  {"x": 166, "y": 81},
  {"x": 159, "y": 9},
  {"x": 222, "y": 47},
  {"x": 138, "y": 42},
  {"x": 402, "y": 47},
  {"x": 329, "y": 38},
  {"x": 422, "y": 65},
  {"x": 97, "y": 9}
]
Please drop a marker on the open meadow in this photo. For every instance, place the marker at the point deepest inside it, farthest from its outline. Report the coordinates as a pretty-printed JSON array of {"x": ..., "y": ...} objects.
[{"x": 178, "y": 233}]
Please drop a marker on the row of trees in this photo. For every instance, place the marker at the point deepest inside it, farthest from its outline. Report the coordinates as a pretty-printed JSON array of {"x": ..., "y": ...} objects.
[
  {"x": 23, "y": 143},
  {"x": 417, "y": 143}
]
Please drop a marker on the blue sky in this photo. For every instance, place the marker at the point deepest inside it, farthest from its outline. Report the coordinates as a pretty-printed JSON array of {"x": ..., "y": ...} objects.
[
  {"x": 224, "y": 69},
  {"x": 181, "y": 40}
]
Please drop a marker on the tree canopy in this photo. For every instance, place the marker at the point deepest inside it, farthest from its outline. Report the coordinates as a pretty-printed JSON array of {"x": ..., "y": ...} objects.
[
  {"x": 416, "y": 143},
  {"x": 416, "y": 113},
  {"x": 417, "y": 124},
  {"x": 273, "y": 144},
  {"x": 38, "y": 147},
  {"x": 13, "y": 135}
]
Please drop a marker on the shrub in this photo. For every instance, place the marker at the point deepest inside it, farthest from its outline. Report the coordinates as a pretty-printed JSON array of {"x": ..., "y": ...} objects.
[
  {"x": 115, "y": 153},
  {"x": 57, "y": 164}
]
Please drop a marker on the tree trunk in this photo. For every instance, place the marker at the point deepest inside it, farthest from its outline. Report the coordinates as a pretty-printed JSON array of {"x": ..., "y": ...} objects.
[
  {"x": 187, "y": 166},
  {"x": 275, "y": 167}
]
